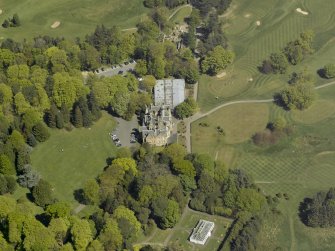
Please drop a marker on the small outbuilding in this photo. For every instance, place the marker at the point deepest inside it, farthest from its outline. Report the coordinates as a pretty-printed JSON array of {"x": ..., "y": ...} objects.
[{"x": 202, "y": 232}]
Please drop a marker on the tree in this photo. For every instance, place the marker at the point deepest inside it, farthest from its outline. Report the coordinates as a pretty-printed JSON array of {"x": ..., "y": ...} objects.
[
  {"x": 123, "y": 212},
  {"x": 6, "y": 95},
  {"x": 184, "y": 167},
  {"x": 186, "y": 109},
  {"x": 3, "y": 185},
  {"x": 278, "y": 62},
  {"x": 6, "y": 23},
  {"x": 110, "y": 236},
  {"x": 141, "y": 67},
  {"x": 125, "y": 164},
  {"x": 59, "y": 210},
  {"x": 60, "y": 228},
  {"x": 160, "y": 16},
  {"x": 65, "y": 89},
  {"x": 36, "y": 235},
  {"x": 192, "y": 73},
  {"x": 329, "y": 71},
  {"x": 42, "y": 193},
  {"x": 77, "y": 120},
  {"x": 301, "y": 77},
  {"x": 21, "y": 104},
  {"x": 294, "y": 53},
  {"x": 279, "y": 123},
  {"x": 299, "y": 96},
  {"x": 66, "y": 113},
  {"x": 91, "y": 192},
  {"x": 166, "y": 211},
  {"x": 319, "y": 210},
  {"x": 81, "y": 234},
  {"x": 250, "y": 200},
  {"x": 16, "y": 140},
  {"x": 11, "y": 184},
  {"x": 216, "y": 60},
  {"x": 175, "y": 152},
  {"x": 86, "y": 113},
  {"x": 6, "y": 166},
  {"x": 95, "y": 245},
  {"x": 40, "y": 132},
  {"x": 149, "y": 83},
  {"x": 31, "y": 140},
  {"x": 29, "y": 178},
  {"x": 16, "y": 20},
  {"x": 59, "y": 120},
  {"x": 51, "y": 116},
  {"x": 153, "y": 3}
]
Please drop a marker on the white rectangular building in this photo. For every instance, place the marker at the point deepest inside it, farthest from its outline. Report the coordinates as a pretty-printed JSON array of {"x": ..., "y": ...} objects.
[
  {"x": 202, "y": 232},
  {"x": 169, "y": 92}
]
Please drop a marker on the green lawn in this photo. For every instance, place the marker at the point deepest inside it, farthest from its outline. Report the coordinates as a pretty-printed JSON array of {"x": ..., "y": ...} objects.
[
  {"x": 299, "y": 165},
  {"x": 179, "y": 235},
  {"x": 77, "y": 17},
  {"x": 280, "y": 23},
  {"x": 83, "y": 157},
  {"x": 181, "y": 14}
]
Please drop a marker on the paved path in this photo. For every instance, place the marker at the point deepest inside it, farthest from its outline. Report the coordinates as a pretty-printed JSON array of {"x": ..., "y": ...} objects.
[
  {"x": 130, "y": 29},
  {"x": 79, "y": 208},
  {"x": 200, "y": 115}
]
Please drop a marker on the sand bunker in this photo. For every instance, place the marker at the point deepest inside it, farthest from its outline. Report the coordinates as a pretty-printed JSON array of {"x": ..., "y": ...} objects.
[
  {"x": 55, "y": 25},
  {"x": 258, "y": 23},
  {"x": 247, "y": 15},
  {"x": 0, "y": 11},
  {"x": 221, "y": 75},
  {"x": 301, "y": 11}
]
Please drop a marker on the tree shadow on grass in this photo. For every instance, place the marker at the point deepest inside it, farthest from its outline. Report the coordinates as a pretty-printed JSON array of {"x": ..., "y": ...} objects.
[
  {"x": 321, "y": 73},
  {"x": 279, "y": 101},
  {"x": 304, "y": 210},
  {"x": 79, "y": 195}
]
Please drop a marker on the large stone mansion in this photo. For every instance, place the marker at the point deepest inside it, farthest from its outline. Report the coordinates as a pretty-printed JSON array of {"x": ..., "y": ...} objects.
[{"x": 157, "y": 121}]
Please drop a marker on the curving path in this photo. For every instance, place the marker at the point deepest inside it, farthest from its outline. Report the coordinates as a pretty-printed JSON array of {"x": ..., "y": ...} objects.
[
  {"x": 200, "y": 115},
  {"x": 175, "y": 12}
]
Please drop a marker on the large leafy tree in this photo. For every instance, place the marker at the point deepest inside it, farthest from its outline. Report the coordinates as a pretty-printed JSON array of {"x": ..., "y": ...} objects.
[
  {"x": 298, "y": 96},
  {"x": 81, "y": 234},
  {"x": 43, "y": 193},
  {"x": 166, "y": 212},
  {"x": 216, "y": 60}
]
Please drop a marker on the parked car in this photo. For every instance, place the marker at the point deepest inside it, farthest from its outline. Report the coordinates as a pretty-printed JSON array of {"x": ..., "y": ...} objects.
[{"x": 132, "y": 138}]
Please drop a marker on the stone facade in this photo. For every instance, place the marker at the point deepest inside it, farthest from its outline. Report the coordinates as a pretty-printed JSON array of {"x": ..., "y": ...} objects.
[{"x": 157, "y": 125}]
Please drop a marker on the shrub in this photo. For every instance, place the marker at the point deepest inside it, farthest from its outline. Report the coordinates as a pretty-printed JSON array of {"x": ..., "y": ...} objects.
[{"x": 329, "y": 71}]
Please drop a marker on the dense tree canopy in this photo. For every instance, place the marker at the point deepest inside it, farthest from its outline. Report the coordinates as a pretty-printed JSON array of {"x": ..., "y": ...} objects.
[
  {"x": 298, "y": 96},
  {"x": 319, "y": 211}
]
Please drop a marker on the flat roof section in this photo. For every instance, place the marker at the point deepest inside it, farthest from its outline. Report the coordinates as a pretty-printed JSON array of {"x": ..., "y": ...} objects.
[{"x": 169, "y": 92}]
